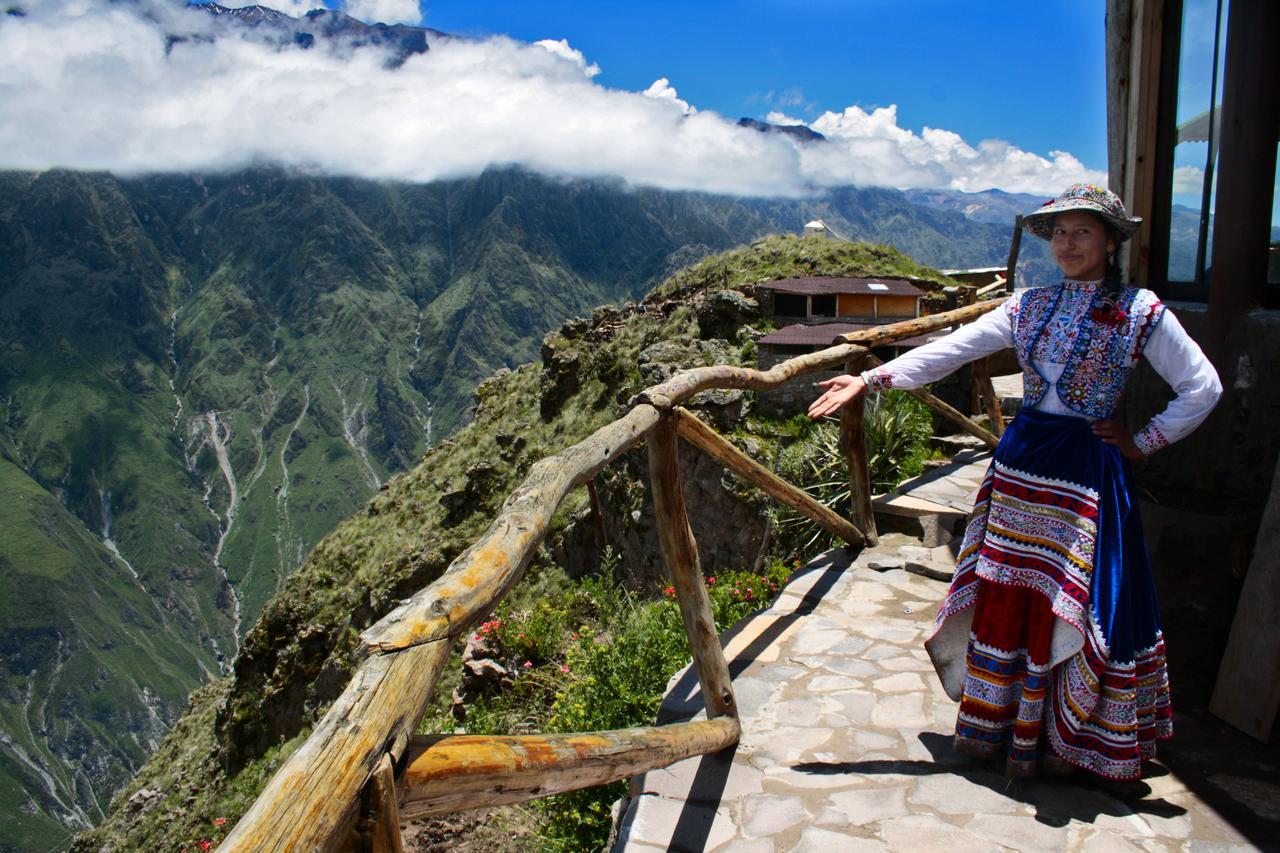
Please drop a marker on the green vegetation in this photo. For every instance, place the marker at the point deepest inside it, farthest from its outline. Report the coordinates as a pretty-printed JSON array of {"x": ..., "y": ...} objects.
[{"x": 594, "y": 657}]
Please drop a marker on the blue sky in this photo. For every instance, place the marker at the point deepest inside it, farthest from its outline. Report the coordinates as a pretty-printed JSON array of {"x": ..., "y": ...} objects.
[{"x": 981, "y": 69}]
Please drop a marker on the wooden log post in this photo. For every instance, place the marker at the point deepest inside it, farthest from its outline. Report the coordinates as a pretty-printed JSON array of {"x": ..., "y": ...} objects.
[
  {"x": 987, "y": 395},
  {"x": 1015, "y": 244},
  {"x": 853, "y": 443},
  {"x": 312, "y": 802},
  {"x": 597, "y": 513},
  {"x": 447, "y": 773},
  {"x": 680, "y": 552},
  {"x": 379, "y": 832},
  {"x": 722, "y": 450}
]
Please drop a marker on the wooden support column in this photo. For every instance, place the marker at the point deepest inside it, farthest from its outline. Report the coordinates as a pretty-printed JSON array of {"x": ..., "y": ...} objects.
[
  {"x": 853, "y": 443},
  {"x": 987, "y": 395},
  {"x": 1246, "y": 174},
  {"x": 722, "y": 450},
  {"x": 597, "y": 512},
  {"x": 1142, "y": 106},
  {"x": 379, "y": 832},
  {"x": 1015, "y": 245},
  {"x": 680, "y": 552}
]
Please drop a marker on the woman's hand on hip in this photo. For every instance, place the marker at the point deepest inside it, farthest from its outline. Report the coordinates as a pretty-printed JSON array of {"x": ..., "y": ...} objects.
[
  {"x": 840, "y": 391},
  {"x": 1111, "y": 431}
]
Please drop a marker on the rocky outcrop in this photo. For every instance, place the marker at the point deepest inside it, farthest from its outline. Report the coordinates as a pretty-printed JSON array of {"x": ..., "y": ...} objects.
[
  {"x": 723, "y": 312},
  {"x": 560, "y": 380}
]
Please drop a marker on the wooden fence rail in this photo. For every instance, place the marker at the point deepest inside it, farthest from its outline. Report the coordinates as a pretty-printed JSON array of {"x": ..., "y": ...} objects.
[{"x": 362, "y": 768}]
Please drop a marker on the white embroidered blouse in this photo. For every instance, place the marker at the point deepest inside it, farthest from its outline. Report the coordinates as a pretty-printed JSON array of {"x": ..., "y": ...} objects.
[{"x": 1170, "y": 350}]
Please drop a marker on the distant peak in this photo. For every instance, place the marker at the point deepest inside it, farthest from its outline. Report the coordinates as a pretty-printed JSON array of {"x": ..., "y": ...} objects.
[{"x": 798, "y": 132}]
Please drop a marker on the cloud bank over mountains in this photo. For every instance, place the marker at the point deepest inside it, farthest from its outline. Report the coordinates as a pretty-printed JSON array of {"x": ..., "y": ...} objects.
[{"x": 88, "y": 84}]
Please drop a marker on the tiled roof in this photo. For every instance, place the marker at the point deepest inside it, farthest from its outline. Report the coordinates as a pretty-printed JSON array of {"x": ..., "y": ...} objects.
[
  {"x": 823, "y": 333},
  {"x": 821, "y": 285}
]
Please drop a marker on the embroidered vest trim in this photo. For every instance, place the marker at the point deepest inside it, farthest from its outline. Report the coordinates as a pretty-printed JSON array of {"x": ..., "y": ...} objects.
[{"x": 1106, "y": 347}]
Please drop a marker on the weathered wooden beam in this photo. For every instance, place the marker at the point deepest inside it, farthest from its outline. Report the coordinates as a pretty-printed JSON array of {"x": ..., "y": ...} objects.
[
  {"x": 597, "y": 514},
  {"x": 1143, "y": 103},
  {"x": 853, "y": 443},
  {"x": 447, "y": 773},
  {"x": 722, "y": 450},
  {"x": 981, "y": 375},
  {"x": 380, "y": 831},
  {"x": 995, "y": 286},
  {"x": 946, "y": 410},
  {"x": 685, "y": 384},
  {"x": 486, "y": 571},
  {"x": 1011, "y": 267},
  {"x": 679, "y": 388},
  {"x": 680, "y": 552},
  {"x": 312, "y": 801},
  {"x": 882, "y": 335}
]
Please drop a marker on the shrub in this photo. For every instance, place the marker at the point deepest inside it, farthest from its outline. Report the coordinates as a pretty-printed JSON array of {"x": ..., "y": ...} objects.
[{"x": 597, "y": 657}]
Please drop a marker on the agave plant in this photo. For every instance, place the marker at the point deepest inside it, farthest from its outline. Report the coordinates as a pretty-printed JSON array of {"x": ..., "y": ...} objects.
[{"x": 897, "y": 430}]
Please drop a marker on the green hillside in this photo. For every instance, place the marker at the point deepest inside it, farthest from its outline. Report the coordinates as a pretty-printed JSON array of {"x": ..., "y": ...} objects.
[{"x": 297, "y": 657}]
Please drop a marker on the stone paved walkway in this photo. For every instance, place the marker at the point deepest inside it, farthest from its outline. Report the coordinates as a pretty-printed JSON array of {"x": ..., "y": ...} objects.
[{"x": 846, "y": 743}]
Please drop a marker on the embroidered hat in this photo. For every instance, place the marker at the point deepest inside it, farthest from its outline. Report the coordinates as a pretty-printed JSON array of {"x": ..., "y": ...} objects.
[{"x": 1090, "y": 197}]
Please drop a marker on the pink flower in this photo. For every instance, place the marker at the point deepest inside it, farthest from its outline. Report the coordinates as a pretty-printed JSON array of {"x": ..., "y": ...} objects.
[
  {"x": 205, "y": 845},
  {"x": 528, "y": 664},
  {"x": 564, "y": 668},
  {"x": 669, "y": 591},
  {"x": 219, "y": 821},
  {"x": 711, "y": 580}
]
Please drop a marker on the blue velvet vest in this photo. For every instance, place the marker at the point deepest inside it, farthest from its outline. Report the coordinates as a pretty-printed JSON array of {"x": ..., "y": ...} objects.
[{"x": 1108, "y": 344}]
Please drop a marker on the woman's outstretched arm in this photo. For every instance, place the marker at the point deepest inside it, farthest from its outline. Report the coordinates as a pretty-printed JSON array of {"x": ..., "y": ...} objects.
[{"x": 990, "y": 333}]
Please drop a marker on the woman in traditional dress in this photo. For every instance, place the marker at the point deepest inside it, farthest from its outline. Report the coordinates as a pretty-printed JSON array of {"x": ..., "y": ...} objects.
[{"x": 1050, "y": 634}]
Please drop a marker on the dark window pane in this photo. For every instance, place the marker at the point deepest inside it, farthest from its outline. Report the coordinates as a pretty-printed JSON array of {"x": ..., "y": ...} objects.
[
  {"x": 824, "y": 306},
  {"x": 788, "y": 305}
]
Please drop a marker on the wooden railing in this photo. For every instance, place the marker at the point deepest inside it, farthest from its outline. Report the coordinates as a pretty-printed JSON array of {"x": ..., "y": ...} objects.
[{"x": 362, "y": 769}]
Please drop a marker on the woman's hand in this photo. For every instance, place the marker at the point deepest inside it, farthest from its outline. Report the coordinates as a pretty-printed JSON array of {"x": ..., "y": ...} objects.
[
  {"x": 839, "y": 392},
  {"x": 1113, "y": 432}
]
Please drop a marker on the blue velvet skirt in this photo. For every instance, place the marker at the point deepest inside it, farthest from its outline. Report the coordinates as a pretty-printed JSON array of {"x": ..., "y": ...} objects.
[{"x": 1050, "y": 634}]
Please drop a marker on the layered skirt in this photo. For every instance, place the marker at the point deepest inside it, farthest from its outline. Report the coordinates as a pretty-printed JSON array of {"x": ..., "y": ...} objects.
[{"x": 1050, "y": 634}]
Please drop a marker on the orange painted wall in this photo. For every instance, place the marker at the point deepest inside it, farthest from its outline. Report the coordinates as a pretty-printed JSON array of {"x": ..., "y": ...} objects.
[
  {"x": 854, "y": 305},
  {"x": 896, "y": 306}
]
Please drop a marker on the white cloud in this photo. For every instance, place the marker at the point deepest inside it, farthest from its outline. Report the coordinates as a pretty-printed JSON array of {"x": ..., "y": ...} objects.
[
  {"x": 870, "y": 148},
  {"x": 662, "y": 90},
  {"x": 89, "y": 84},
  {"x": 382, "y": 11},
  {"x": 1188, "y": 180},
  {"x": 562, "y": 49}
]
